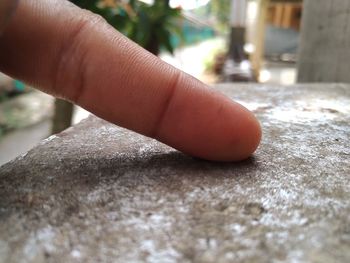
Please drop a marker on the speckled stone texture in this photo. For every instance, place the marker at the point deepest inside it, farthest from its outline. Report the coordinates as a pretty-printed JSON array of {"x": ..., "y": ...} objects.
[{"x": 99, "y": 193}]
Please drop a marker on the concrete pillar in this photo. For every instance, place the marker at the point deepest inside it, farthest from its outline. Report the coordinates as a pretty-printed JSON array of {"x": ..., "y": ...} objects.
[
  {"x": 257, "y": 35},
  {"x": 238, "y": 26},
  {"x": 324, "y": 52},
  {"x": 238, "y": 13}
]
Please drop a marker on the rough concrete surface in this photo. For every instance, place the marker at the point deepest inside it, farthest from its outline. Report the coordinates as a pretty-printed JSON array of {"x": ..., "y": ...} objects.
[{"x": 99, "y": 193}]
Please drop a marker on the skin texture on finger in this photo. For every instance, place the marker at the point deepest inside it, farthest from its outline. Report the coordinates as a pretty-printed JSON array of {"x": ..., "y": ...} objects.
[{"x": 74, "y": 54}]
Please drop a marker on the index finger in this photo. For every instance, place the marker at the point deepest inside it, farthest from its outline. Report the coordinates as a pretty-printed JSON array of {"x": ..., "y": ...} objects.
[
  {"x": 6, "y": 9},
  {"x": 74, "y": 54}
]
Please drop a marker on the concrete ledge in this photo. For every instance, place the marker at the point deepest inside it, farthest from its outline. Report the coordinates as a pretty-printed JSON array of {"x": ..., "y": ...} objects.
[{"x": 99, "y": 193}]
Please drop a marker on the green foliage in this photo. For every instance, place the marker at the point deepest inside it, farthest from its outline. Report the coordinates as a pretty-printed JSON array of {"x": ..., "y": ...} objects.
[
  {"x": 220, "y": 9},
  {"x": 151, "y": 26}
]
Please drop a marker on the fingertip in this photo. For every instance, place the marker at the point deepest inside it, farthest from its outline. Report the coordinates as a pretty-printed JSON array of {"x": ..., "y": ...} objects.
[
  {"x": 237, "y": 138},
  {"x": 246, "y": 140},
  {"x": 204, "y": 123}
]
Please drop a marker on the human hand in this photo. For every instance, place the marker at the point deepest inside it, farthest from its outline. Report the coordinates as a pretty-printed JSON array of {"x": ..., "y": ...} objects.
[{"x": 74, "y": 54}]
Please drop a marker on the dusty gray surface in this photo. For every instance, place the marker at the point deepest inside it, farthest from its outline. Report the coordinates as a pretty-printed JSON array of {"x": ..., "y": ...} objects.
[{"x": 98, "y": 193}]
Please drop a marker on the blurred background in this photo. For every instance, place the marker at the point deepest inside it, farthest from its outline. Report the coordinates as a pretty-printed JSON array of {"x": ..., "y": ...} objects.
[{"x": 213, "y": 40}]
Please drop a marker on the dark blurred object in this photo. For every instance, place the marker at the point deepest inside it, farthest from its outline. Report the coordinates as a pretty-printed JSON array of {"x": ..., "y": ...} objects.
[
  {"x": 238, "y": 71},
  {"x": 230, "y": 70},
  {"x": 237, "y": 42},
  {"x": 237, "y": 67},
  {"x": 62, "y": 118}
]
